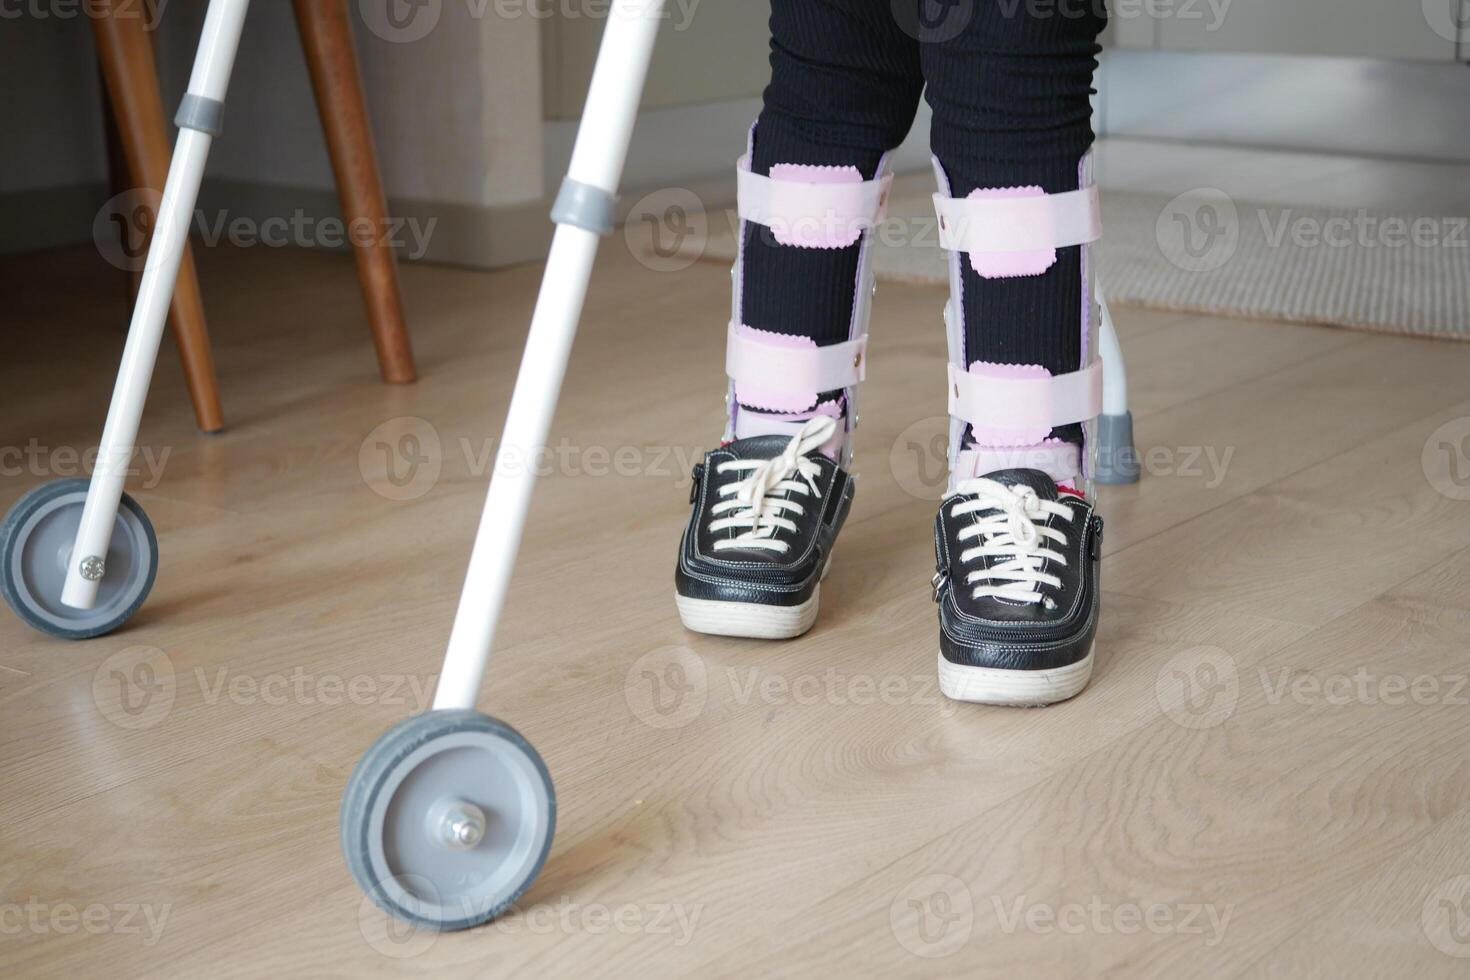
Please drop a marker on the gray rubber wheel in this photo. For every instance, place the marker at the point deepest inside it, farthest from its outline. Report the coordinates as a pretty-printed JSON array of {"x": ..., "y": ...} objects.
[
  {"x": 35, "y": 547},
  {"x": 448, "y": 818}
]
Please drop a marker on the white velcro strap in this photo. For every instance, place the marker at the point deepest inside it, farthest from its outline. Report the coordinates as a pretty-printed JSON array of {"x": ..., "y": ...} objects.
[
  {"x": 753, "y": 360},
  {"x": 812, "y": 214},
  {"x": 1019, "y": 224},
  {"x": 996, "y": 399}
]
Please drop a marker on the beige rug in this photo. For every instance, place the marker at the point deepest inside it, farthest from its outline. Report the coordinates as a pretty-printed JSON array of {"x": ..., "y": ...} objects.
[{"x": 1205, "y": 253}]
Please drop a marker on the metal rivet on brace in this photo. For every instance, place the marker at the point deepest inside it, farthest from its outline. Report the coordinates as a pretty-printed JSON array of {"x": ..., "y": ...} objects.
[{"x": 857, "y": 359}]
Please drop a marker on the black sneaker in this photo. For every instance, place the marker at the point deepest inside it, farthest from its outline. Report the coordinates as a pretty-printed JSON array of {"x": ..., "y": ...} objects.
[
  {"x": 1017, "y": 587},
  {"x": 767, "y": 510}
]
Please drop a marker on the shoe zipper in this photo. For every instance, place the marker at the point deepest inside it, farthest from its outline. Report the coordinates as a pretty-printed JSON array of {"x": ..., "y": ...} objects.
[
  {"x": 697, "y": 479},
  {"x": 939, "y": 581}
]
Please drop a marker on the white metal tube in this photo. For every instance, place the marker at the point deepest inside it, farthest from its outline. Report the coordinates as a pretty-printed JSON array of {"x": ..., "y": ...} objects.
[
  {"x": 597, "y": 159},
  {"x": 1115, "y": 375},
  {"x": 216, "y": 56}
]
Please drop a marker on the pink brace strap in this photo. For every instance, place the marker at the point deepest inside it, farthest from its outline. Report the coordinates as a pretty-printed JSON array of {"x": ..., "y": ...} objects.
[
  {"x": 1018, "y": 224},
  {"x": 1017, "y": 409},
  {"x": 812, "y": 207},
  {"x": 760, "y": 360}
]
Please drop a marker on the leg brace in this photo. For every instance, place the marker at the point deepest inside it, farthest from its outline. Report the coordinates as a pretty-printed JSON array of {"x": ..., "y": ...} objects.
[
  {"x": 786, "y": 374},
  {"x": 1011, "y": 408}
]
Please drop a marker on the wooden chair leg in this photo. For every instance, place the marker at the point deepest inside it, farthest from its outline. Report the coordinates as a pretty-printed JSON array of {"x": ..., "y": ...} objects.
[
  {"x": 128, "y": 70},
  {"x": 326, "y": 34}
]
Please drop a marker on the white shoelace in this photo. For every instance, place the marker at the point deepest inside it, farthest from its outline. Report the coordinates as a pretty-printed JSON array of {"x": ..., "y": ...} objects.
[
  {"x": 750, "y": 502},
  {"x": 1011, "y": 530}
]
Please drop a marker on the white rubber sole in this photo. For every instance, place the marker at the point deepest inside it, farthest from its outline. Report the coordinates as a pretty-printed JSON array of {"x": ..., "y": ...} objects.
[
  {"x": 748, "y": 619},
  {"x": 1014, "y": 688}
]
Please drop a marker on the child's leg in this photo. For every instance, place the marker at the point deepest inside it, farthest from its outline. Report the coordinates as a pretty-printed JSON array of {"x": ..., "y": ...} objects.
[
  {"x": 1017, "y": 544},
  {"x": 768, "y": 504},
  {"x": 1011, "y": 99},
  {"x": 845, "y": 84}
]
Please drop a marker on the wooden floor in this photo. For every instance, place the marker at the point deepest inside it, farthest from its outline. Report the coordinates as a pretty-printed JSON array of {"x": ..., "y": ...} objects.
[{"x": 1268, "y": 775}]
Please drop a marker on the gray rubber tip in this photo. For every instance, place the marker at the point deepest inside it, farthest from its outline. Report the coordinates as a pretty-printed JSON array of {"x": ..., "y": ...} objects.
[
  {"x": 584, "y": 206},
  {"x": 1117, "y": 459}
]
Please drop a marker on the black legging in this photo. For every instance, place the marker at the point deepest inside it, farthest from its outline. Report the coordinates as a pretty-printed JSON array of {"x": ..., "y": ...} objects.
[{"x": 1009, "y": 82}]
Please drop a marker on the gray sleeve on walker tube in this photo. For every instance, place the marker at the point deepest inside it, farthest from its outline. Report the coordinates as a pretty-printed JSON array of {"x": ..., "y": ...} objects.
[
  {"x": 584, "y": 206},
  {"x": 205, "y": 115}
]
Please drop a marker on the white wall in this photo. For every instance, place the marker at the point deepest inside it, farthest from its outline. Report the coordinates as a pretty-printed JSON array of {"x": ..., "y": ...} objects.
[
  {"x": 50, "y": 120},
  {"x": 457, "y": 113},
  {"x": 708, "y": 51}
]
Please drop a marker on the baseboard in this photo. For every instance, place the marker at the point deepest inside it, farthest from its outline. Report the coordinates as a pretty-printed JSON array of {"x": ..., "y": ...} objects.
[
  {"x": 51, "y": 217},
  {"x": 1399, "y": 109}
]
